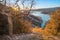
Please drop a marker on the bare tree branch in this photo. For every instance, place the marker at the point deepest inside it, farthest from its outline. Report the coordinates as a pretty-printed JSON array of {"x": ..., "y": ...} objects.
[
  {"x": 32, "y": 3},
  {"x": 16, "y": 1},
  {"x": 23, "y": 1}
]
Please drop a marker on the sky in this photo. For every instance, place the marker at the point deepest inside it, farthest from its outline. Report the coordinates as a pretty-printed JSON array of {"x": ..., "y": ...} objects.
[
  {"x": 42, "y": 3},
  {"x": 47, "y": 3}
]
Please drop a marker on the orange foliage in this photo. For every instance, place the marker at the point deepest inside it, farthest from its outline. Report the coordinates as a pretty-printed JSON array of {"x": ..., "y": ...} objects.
[
  {"x": 53, "y": 26},
  {"x": 37, "y": 30}
]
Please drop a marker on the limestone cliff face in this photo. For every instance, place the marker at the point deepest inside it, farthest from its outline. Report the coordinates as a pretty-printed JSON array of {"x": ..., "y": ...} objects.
[{"x": 36, "y": 21}]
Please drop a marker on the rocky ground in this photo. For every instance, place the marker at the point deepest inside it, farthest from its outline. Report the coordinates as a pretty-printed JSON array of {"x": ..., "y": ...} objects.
[
  {"x": 22, "y": 37},
  {"x": 32, "y": 36}
]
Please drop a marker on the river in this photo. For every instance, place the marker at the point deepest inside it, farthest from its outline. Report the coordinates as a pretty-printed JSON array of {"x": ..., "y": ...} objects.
[{"x": 45, "y": 17}]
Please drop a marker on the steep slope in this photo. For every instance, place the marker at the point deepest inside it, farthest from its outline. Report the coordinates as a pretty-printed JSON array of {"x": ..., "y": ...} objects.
[{"x": 34, "y": 19}]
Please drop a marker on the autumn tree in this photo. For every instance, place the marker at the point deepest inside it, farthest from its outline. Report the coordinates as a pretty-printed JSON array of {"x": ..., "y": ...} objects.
[
  {"x": 20, "y": 24},
  {"x": 53, "y": 26}
]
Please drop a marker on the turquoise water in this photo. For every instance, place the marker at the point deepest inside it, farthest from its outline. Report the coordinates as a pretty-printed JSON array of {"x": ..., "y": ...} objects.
[{"x": 45, "y": 17}]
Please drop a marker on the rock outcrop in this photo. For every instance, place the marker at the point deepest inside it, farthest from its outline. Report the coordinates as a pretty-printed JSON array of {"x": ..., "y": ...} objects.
[{"x": 36, "y": 21}]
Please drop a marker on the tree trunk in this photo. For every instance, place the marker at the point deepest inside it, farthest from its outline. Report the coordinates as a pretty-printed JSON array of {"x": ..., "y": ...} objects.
[{"x": 10, "y": 25}]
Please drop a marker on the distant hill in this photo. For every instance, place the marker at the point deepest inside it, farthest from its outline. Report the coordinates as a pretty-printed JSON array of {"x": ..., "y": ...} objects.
[{"x": 47, "y": 10}]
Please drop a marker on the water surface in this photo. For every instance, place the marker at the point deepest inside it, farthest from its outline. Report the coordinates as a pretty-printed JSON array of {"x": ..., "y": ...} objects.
[{"x": 45, "y": 17}]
